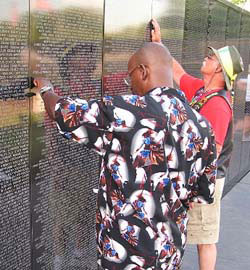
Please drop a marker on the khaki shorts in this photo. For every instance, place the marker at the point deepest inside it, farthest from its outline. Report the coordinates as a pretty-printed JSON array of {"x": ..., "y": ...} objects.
[{"x": 204, "y": 219}]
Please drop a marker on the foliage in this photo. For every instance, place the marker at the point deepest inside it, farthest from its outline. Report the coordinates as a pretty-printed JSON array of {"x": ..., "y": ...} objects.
[{"x": 238, "y": 2}]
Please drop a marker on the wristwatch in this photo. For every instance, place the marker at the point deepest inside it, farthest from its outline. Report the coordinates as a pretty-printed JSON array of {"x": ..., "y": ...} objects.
[{"x": 46, "y": 89}]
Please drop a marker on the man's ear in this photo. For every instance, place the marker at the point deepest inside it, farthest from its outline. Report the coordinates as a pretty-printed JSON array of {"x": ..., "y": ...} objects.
[
  {"x": 218, "y": 68},
  {"x": 144, "y": 71}
]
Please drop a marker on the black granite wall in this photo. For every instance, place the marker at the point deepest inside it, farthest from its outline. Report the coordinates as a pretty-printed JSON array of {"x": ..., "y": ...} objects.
[{"x": 47, "y": 184}]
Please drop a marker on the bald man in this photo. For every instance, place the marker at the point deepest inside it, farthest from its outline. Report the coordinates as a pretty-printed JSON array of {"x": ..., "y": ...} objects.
[{"x": 158, "y": 155}]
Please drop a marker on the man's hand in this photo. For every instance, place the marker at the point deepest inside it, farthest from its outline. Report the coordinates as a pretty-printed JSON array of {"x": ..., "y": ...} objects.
[
  {"x": 191, "y": 205},
  {"x": 49, "y": 97},
  {"x": 155, "y": 32}
]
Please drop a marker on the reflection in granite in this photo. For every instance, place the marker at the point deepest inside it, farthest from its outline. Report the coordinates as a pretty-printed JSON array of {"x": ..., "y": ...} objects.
[{"x": 47, "y": 216}]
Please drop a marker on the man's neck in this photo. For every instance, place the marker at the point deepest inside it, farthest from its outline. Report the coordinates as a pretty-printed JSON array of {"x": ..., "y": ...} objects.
[
  {"x": 213, "y": 83},
  {"x": 159, "y": 83}
]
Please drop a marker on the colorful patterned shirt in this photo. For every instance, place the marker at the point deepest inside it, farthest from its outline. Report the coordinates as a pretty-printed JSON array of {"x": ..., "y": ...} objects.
[{"x": 157, "y": 155}]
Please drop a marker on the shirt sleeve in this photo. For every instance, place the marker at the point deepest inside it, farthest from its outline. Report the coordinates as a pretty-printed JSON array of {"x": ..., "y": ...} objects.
[
  {"x": 190, "y": 85},
  {"x": 203, "y": 190},
  {"x": 219, "y": 114},
  {"x": 92, "y": 122}
]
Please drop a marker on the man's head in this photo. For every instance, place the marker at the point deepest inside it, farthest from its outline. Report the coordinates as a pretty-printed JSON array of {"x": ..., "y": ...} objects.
[
  {"x": 226, "y": 61},
  {"x": 150, "y": 67}
]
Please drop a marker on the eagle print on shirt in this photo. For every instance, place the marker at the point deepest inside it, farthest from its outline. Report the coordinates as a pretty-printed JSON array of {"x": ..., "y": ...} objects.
[{"x": 157, "y": 156}]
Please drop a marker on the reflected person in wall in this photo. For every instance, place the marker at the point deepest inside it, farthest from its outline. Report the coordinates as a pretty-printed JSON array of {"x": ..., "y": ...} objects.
[
  {"x": 211, "y": 96},
  {"x": 79, "y": 72},
  {"x": 38, "y": 65},
  {"x": 158, "y": 155},
  {"x": 78, "y": 69},
  {"x": 65, "y": 70}
]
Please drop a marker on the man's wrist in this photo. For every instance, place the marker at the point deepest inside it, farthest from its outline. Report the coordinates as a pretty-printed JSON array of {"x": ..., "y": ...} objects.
[{"x": 45, "y": 89}]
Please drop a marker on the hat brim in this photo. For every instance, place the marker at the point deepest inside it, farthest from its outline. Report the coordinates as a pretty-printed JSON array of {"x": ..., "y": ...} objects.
[{"x": 227, "y": 80}]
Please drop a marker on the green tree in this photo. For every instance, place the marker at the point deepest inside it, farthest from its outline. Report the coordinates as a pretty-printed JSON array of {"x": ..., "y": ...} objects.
[{"x": 238, "y": 2}]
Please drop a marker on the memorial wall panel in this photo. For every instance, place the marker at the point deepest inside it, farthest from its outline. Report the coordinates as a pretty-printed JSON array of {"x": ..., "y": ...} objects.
[
  {"x": 232, "y": 38},
  {"x": 170, "y": 15},
  {"x": 14, "y": 138},
  {"x": 233, "y": 27},
  {"x": 241, "y": 117},
  {"x": 244, "y": 41},
  {"x": 217, "y": 19},
  {"x": 65, "y": 46},
  {"x": 122, "y": 36},
  {"x": 195, "y": 35}
]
